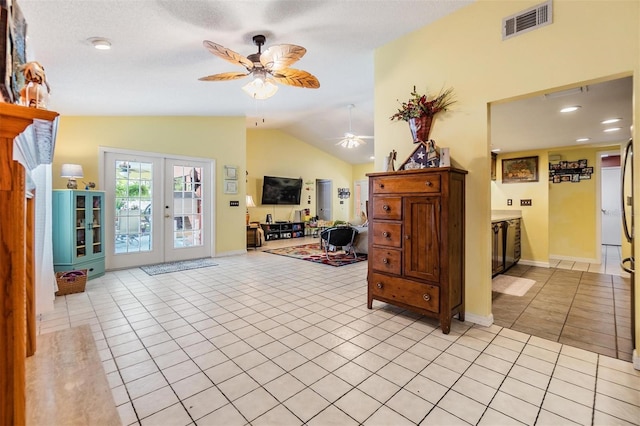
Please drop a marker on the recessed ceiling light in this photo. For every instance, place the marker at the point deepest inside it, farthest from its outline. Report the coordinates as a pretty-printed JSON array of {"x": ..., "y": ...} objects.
[
  {"x": 100, "y": 43},
  {"x": 611, "y": 120},
  {"x": 495, "y": 150},
  {"x": 612, "y": 129},
  {"x": 372, "y": 158},
  {"x": 582, "y": 139},
  {"x": 571, "y": 108}
]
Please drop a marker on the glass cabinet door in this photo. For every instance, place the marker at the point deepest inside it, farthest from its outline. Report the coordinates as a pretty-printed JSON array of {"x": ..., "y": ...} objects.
[
  {"x": 80, "y": 221},
  {"x": 96, "y": 223}
]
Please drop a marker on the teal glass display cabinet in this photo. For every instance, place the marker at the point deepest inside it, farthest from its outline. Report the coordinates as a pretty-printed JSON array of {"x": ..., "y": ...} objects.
[{"x": 78, "y": 231}]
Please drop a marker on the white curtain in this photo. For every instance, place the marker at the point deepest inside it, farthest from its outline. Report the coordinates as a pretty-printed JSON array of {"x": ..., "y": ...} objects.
[
  {"x": 33, "y": 148},
  {"x": 45, "y": 277}
]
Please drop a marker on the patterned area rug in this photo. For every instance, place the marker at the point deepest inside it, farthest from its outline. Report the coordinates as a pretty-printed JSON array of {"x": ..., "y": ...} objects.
[
  {"x": 313, "y": 253},
  {"x": 184, "y": 265}
]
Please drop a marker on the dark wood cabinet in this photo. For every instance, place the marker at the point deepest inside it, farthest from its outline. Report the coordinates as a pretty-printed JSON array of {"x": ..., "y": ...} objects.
[{"x": 416, "y": 241}]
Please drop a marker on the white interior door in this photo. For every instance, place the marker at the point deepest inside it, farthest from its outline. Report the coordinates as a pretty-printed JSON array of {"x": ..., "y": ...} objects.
[
  {"x": 323, "y": 199},
  {"x": 186, "y": 216},
  {"x": 610, "y": 206},
  {"x": 160, "y": 209}
]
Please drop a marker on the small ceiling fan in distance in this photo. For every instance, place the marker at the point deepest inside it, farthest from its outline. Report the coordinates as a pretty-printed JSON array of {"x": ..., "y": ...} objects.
[
  {"x": 267, "y": 68},
  {"x": 350, "y": 139}
]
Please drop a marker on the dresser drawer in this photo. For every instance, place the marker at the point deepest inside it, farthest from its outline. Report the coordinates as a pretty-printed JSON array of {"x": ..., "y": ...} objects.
[
  {"x": 386, "y": 234},
  {"x": 389, "y": 208},
  {"x": 386, "y": 260},
  {"x": 405, "y": 184},
  {"x": 395, "y": 289}
]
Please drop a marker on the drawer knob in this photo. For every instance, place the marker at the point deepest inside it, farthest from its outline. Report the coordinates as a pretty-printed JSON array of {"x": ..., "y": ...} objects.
[
  {"x": 429, "y": 183},
  {"x": 385, "y": 234},
  {"x": 386, "y": 208},
  {"x": 426, "y": 297},
  {"x": 382, "y": 185},
  {"x": 379, "y": 285},
  {"x": 407, "y": 237},
  {"x": 385, "y": 260}
]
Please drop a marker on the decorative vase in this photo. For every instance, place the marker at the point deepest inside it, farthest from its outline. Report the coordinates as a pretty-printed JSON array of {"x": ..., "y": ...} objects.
[{"x": 420, "y": 128}]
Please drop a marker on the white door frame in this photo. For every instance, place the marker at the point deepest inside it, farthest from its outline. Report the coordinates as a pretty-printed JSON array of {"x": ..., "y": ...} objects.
[
  {"x": 598, "y": 173},
  {"x": 209, "y": 196}
]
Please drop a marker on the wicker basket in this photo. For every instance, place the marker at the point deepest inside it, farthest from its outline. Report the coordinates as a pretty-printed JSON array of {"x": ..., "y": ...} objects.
[{"x": 71, "y": 281}]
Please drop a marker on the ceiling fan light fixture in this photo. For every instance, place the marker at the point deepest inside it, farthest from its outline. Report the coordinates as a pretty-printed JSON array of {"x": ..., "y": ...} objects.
[{"x": 260, "y": 89}]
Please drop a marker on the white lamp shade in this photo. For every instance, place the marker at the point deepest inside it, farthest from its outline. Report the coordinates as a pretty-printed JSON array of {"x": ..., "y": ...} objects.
[
  {"x": 250, "y": 202},
  {"x": 71, "y": 171},
  {"x": 260, "y": 89}
]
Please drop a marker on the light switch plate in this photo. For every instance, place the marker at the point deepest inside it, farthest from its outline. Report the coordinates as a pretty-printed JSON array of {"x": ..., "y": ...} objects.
[
  {"x": 509, "y": 202},
  {"x": 234, "y": 203},
  {"x": 526, "y": 202}
]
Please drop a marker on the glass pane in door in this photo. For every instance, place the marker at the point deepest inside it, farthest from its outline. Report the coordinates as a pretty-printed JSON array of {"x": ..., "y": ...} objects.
[
  {"x": 187, "y": 206},
  {"x": 133, "y": 200},
  {"x": 81, "y": 248}
]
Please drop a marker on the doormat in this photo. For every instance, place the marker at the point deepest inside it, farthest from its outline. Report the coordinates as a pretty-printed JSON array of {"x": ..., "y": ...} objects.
[
  {"x": 515, "y": 286},
  {"x": 183, "y": 265},
  {"x": 313, "y": 253}
]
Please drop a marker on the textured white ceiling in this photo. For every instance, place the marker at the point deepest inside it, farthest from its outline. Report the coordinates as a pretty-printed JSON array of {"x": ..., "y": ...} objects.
[{"x": 157, "y": 58}]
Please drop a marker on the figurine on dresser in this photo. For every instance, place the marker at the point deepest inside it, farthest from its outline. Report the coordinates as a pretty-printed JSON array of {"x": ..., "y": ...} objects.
[{"x": 35, "y": 93}]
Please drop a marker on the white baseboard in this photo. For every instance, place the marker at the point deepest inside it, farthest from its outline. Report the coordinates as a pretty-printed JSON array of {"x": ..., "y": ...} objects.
[
  {"x": 534, "y": 263},
  {"x": 479, "y": 319},
  {"x": 636, "y": 359},
  {"x": 573, "y": 259}
]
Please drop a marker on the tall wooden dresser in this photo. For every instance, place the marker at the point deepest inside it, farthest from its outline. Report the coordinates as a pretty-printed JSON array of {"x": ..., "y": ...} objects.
[{"x": 416, "y": 241}]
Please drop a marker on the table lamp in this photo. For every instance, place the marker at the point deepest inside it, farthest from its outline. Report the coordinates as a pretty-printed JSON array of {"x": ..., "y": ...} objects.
[
  {"x": 250, "y": 203},
  {"x": 72, "y": 171}
]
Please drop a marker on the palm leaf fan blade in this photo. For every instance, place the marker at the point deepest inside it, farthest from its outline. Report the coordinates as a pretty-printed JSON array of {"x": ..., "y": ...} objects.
[
  {"x": 281, "y": 56},
  {"x": 225, "y": 76},
  {"x": 227, "y": 54},
  {"x": 298, "y": 78}
]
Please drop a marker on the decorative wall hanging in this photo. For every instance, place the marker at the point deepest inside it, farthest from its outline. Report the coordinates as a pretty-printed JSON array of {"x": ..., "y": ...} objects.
[
  {"x": 419, "y": 112},
  {"x": 569, "y": 171},
  {"x": 520, "y": 170},
  {"x": 231, "y": 172},
  {"x": 344, "y": 193}
]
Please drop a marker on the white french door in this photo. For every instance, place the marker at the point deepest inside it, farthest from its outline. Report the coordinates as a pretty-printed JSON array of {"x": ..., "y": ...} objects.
[{"x": 160, "y": 208}]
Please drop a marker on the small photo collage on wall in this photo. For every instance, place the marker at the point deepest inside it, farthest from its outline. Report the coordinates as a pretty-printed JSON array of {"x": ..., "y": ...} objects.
[{"x": 569, "y": 171}]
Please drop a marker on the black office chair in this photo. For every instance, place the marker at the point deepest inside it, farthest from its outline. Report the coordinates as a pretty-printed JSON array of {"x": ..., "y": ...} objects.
[{"x": 341, "y": 236}]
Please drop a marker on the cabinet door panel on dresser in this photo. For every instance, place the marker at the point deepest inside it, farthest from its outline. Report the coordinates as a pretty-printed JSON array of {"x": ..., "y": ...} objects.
[
  {"x": 422, "y": 245},
  {"x": 416, "y": 241}
]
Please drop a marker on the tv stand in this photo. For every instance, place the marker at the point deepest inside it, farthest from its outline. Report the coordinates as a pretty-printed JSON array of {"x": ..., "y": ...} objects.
[{"x": 282, "y": 230}]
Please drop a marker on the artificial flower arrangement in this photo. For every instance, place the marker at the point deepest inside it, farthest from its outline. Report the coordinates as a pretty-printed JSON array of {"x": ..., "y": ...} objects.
[{"x": 419, "y": 105}]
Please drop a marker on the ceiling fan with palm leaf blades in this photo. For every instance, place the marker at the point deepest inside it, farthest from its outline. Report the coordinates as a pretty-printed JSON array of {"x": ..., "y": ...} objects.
[
  {"x": 350, "y": 139},
  {"x": 267, "y": 68}
]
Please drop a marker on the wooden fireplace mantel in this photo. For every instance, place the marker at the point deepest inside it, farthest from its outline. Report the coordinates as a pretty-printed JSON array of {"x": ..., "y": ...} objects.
[{"x": 16, "y": 262}]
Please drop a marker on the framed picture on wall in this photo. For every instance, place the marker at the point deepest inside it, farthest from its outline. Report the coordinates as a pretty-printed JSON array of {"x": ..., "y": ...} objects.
[
  {"x": 230, "y": 172},
  {"x": 519, "y": 170},
  {"x": 230, "y": 186}
]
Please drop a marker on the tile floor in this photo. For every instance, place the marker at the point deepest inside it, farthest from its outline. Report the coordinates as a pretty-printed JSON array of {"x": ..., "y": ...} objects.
[
  {"x": 270, "y": 340},
  {"x": 611, "y": 256}
]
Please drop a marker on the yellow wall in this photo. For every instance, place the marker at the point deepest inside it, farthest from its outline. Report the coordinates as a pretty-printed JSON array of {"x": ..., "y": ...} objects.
[
  {"x": 573, "y": 231},
  {"x": 534, "y": 234},
  {"x": 562, "y": 221},
  {"x": 218, "y": 138},
  {"x": 360, "y": 170},
  {"x": 587, "y": 41},
  {"x": 275, "y": 153}
]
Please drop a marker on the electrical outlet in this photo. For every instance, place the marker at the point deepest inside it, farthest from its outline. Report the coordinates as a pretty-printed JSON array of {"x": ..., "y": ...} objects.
[
  {"x": 234, "y": 203},
  {"x": 526, "y": 202},
  {"x": 509, "y": 202}
]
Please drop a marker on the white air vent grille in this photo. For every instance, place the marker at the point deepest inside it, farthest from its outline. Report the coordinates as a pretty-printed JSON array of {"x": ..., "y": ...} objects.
[{"x": 527, "y": 20}]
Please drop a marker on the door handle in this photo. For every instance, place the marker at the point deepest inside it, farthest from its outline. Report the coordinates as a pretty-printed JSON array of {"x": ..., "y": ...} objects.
[
  {"x": 632, "y": 268},
  {"x": 167, "y": 216}
]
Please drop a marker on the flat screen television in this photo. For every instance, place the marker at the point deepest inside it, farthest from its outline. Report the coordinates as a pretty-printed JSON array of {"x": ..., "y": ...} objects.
[{"x": 281, "y": 190}]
